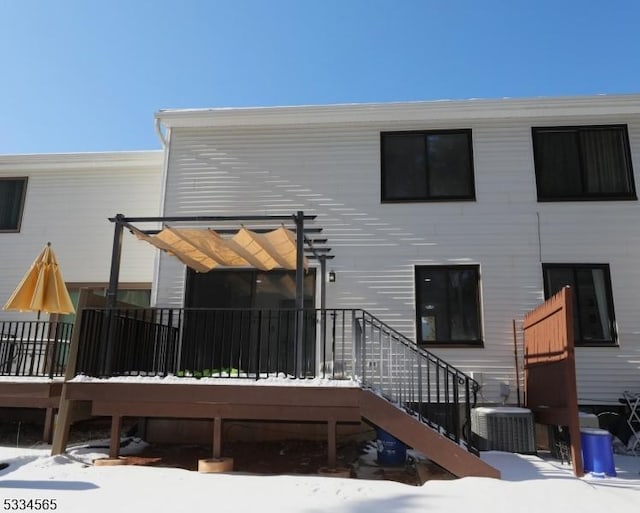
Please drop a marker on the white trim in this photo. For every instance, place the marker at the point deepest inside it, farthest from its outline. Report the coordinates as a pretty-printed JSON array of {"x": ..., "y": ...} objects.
[
  {"x": 57, "y": 161},
  {"x": 462, "y": 110}
]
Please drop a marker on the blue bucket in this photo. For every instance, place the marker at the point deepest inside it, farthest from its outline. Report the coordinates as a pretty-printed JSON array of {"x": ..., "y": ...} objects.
[
  {"x": 391, "y": 451},
  {"x": 597, "y": 451}
]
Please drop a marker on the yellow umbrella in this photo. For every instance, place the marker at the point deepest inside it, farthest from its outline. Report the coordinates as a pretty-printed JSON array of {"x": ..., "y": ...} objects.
[{"x": 42, "y": 289}]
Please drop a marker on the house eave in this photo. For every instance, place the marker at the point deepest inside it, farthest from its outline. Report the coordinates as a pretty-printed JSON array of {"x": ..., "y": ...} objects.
[
  {"x": 151, "y": 159},
  {"x": 442, "y": 110}
]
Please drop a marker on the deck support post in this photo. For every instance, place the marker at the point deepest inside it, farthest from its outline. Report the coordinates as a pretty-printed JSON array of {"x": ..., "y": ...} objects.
[
  {"x": 63, "y": 426},
  {"x": 66, "y": 406},
  {"x": 47, "y": 432},
  {"x": 217, "y": 437},
  {"x": 331, "y": 443},
  {"x": 114, "y": 443}
]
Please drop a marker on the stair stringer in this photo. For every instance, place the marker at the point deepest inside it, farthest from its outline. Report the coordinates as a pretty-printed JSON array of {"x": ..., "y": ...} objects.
[{"x": 423, "y": 438}]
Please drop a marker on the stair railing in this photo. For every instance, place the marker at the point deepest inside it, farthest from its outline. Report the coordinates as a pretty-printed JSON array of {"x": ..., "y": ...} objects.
[{"x": 421, "y": 383}]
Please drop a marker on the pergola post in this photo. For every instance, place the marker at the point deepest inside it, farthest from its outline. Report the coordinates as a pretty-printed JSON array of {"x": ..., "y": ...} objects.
[
  {"x": 321, "y": 351},
  {"x": 116, "y": 253},
  {"x": 112, "y": 292},
  {"x": 299, "y": 218},
  {"x": 323, "y": 281}
]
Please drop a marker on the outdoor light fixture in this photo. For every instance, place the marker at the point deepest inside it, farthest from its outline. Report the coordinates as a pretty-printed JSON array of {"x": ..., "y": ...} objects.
[{"x": 332, "y": 276}]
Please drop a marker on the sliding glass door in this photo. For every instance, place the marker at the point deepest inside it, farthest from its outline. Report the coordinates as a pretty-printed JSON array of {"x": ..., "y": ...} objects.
[{"x": 243, "y": 322}]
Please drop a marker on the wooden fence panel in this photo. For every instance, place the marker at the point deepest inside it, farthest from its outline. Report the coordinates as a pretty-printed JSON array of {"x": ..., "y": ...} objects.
[{"x": 549, "y": 365}]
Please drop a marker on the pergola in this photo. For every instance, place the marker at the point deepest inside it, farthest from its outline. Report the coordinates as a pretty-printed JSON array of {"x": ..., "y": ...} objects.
[{"x": 259, "y": 241}]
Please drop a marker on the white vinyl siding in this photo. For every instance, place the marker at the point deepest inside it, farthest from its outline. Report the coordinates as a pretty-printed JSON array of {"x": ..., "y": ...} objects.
[
  {"x": 68, "y": 202},
  {"x": 333, "y": 171}
]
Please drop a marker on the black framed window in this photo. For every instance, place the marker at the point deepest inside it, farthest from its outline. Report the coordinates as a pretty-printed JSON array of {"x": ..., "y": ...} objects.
[
  {"x": 583, "y": 163},
  {"x": 131, "y": 294},
  {"x": 12, "y": 194},
  {"x": 593, "y": 315},
  {"x": 427, "y": 165},
  {"x": 448, "y": 305}
]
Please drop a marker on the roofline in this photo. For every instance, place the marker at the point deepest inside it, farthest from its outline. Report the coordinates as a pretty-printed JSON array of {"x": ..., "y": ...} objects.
[
  {"x": 444, "y": 110},
  {"x": 88, "y": 160}
]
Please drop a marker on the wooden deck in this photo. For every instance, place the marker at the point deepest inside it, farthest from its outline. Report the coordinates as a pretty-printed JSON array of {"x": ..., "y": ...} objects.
[
  {"x": 35, "y": 394},
  {"x": 324, "y": 405}
]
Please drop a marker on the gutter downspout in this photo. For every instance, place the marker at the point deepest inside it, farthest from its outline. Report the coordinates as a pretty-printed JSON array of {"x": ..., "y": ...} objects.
[
  {"x": 159, "y": 133},
  {"x": 164, "y": 140}
]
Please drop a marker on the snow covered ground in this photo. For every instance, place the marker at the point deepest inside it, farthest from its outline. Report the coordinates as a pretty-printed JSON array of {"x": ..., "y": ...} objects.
[{"x": 529, "y": 484}]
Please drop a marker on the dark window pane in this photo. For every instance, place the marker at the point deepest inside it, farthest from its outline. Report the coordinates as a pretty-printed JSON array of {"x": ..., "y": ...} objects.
[
  {"x": 277, "y": 290},
  {"x": 557, "y": 164},
  {"x": 427, "y": 165},
  {"x": 449, "y": 164},
  {"x": 594, "y": 315},
  {"x": 447, "y": 304},
  {"x": 243, "y": 288},
  {"x": 463, "y": 305},
  {"x": 11, "y": 196},
  {"x": 557, "y": 278},
  {"x": 583, "y": 163},
  {"x": 433, "y": 306},
  {"x": 592, "y": 302},
  {"x": 605, "y": 161},
  {"x": 404, "y": 167},
  {"x": 219, "y": 289}
]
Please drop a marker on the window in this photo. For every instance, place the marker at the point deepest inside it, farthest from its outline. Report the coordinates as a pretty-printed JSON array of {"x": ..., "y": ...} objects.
[
  {"x": 583, "y": 163},
  {"x": 425, "y": 166},
  {"x": 134, "y": 294},
  {"x": 593, "y": 319},
  {"x": 448, "y": 305},
  {"x": 12, "y": 194}
]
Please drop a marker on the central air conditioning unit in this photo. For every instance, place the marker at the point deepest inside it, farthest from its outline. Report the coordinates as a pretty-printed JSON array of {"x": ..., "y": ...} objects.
[{"x": 504, "y": 428}]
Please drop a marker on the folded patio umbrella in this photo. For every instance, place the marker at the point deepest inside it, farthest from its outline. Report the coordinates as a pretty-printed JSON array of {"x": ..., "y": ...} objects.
[{"x": 42, "y": 289}]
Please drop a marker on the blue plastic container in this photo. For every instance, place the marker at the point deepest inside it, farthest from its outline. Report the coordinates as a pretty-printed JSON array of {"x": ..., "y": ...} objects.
[
  {"x": 597, "y": 451},
  {"x": 391, "y": 451}
]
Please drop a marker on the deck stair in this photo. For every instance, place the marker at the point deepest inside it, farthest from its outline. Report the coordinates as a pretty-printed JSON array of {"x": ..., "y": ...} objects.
[
  {"x": 417, "y": 397},
  {"x": 422, "y": 437}
]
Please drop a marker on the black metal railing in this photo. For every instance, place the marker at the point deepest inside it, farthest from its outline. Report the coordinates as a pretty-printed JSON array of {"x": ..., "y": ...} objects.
[
  {"x": 418, "y": 381},
  {"x": 128, "y": 342},
  {"x": 34, "y": 348},
  {"x": 237, "y": 343},
  {"x": 256, "y": 344}
]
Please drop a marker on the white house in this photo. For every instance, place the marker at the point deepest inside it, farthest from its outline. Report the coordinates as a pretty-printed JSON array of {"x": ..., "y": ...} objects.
[
  {"x": 66, "y": 199},
  {"x": 448, "y": 219}
]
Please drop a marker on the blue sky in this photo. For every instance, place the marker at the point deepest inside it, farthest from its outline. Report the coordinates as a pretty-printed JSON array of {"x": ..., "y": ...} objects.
[{"x": 88, "y": 75}]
